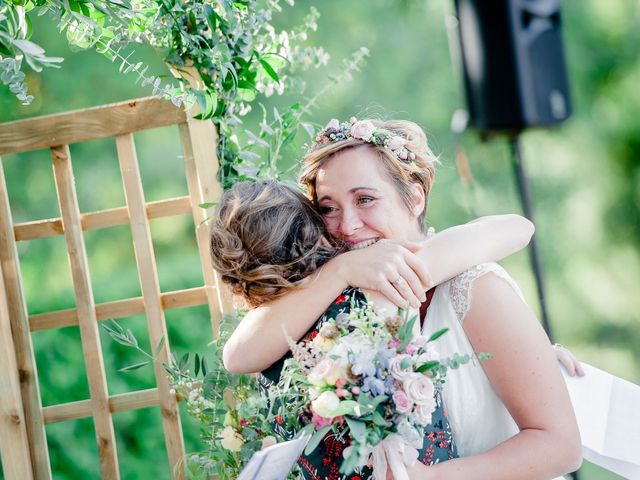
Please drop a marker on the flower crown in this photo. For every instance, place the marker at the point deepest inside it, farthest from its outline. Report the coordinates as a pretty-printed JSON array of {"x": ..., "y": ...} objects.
[{"x": 366, "y": 131}]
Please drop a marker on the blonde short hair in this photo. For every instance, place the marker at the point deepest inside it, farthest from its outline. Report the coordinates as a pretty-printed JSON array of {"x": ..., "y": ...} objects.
[{"x": 403, "y": 174}]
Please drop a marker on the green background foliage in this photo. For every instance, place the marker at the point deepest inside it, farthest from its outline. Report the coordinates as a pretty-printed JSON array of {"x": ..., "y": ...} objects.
[{"x": 585, "y": 179}]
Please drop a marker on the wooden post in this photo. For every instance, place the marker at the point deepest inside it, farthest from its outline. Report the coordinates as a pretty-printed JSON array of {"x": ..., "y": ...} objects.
[
  {"x": 145, "y": 259},
  {"x": 26, "y": 364},
  {"x": 14, "y": 444},
  {"x": 199, "y": 140},
  {"x": 219, "y": 297},
  {"x": 89, "y": 333}
]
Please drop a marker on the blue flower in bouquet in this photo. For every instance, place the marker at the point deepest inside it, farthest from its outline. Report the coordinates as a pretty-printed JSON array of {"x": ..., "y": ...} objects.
[
  {"x": 373, "y": 385},
  {"x": 385, "y": 354},
  {"x": 362, "y": 363}
]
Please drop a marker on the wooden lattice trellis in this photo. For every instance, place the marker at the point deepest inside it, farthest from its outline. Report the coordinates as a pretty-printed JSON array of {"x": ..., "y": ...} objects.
[{"x": 23, "y": 444}]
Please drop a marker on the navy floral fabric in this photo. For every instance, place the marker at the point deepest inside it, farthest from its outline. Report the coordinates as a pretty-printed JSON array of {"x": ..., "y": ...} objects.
[{"x": 324, "y": 462}]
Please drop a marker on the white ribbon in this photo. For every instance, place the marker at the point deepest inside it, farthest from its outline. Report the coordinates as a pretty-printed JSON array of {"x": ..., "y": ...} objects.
[{"x": 394, "y": 453}]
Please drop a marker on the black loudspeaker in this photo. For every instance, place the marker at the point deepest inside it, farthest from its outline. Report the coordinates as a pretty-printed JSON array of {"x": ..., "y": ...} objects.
[{"x": 514, "y": 69}]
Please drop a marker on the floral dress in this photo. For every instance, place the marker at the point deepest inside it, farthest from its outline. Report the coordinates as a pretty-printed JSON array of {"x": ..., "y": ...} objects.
[{"x": 324, "y": 462}]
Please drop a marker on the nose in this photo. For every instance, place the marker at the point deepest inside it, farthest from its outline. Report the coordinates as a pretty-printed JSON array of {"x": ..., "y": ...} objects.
[{"x": 350, "y": 222}]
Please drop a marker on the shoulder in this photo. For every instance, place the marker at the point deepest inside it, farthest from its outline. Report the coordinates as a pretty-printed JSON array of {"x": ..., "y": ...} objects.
[{"x": 461, "y": 287}]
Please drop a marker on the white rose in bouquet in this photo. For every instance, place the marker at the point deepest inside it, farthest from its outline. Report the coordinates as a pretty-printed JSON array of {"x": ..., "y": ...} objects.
[
  {"x": 230, "y": 439},
  {"x": 325, "y": 404}
]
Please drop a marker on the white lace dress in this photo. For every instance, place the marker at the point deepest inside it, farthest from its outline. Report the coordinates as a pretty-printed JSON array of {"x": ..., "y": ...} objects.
[{"x": 479, "y": 420}]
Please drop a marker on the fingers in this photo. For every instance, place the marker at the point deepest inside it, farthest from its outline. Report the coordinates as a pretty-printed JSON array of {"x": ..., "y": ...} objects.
[
  {"x": 568, "y": 361},
  {"x": 420, "y": 269},
  {"x": 413, "y": 247},
  {"x": 386, "y": 288},
  {"x": 410, "y": 286}
]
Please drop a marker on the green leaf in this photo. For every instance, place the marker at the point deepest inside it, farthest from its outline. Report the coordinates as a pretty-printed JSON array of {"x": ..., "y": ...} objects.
[
  {"x": 405, "y": 363},
  {"x": 204, "y": 366},
  {"x": 430, "y": 365},
  {"x": 159, "y": 347},
  {"x": 269, "y": 69},
  {"x": 379, "y": 419},
  {"x": 438, "y": 334},
  {"x": 196, "y": 365},
  {"x": 346, "y": 407},
  {"x": 315, "y": 439},
  {"x": 358, "y": 428},
  {"x": 207, "y": 205},
  {"x": 182, "y": 363},
  {"x": 134, "y": 367},
  {"x": 405, "y": 332}
]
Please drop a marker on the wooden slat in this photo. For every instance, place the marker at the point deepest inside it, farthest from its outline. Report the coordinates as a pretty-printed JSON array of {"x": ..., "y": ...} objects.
[
  {"x": 22, "y": 339},
  {"x": 199, "y": 146},
  {"x": 150, "y": 286},
  {"x": 119, "y": 309},
  {"x": 14, "y": 444},
  {"x": 89, "y": 333},
  {"x": 117, "y": 403},
  {"x": 199, "y": 140},
  {"x": 102, "y": 219},
  {"x": 88, "y": 124}
]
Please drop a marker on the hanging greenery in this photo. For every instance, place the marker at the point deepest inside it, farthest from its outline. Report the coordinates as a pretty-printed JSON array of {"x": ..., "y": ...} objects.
[{"x": 230, "y": 47}]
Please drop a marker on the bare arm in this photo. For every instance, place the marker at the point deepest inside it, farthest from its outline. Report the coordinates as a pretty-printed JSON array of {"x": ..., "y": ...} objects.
[
  {"x": 485, "y": 239},
  {"x": 525, "y": 374},
  {"x": 446, "y": 254}
]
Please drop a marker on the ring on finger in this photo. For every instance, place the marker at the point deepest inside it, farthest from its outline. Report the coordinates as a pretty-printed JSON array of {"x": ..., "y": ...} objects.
[{"x": 398, "y": 281}]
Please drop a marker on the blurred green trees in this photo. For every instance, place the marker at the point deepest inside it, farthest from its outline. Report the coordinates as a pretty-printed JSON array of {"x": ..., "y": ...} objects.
[{"x": 585, "y": 178}]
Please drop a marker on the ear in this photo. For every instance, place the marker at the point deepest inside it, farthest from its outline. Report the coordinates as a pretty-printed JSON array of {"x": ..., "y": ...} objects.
[{"x": 417, "y": 200}]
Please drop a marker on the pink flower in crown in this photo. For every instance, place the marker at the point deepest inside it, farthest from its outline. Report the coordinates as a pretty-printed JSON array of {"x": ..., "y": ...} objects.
[
  {"x": 403, "y": 405},
  {"x": 363, "y": 130},
  {"x": 396, "y": 143},
  {"x": 333, "y": 124}
]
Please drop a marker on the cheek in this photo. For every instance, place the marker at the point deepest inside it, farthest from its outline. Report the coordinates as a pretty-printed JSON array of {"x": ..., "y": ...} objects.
[{"x": 332, "y": 225}]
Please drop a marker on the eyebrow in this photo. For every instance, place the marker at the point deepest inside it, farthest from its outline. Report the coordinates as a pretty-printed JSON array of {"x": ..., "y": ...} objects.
[{"x": 353, "y": 190}]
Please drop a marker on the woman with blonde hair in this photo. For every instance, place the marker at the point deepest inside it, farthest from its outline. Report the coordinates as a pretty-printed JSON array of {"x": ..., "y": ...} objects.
[
  {"x": 267, "y": 240},
  {"x": 370, "y": 180}
]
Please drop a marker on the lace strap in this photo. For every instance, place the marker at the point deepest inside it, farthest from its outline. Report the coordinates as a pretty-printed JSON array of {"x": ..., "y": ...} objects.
[{"x": 460, "y": 287}]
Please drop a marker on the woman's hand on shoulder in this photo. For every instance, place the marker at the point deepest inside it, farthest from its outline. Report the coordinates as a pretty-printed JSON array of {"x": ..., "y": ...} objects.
[
  {"x": 390, "y": 267},
  {"x": 571, "y": 364}
]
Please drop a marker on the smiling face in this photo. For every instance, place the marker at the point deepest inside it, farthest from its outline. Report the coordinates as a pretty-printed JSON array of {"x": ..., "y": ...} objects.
[{"x": 360, "y": 204}]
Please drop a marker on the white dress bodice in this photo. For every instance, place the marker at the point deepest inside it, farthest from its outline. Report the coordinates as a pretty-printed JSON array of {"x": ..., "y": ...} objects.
[{"x": 478, "y": 417}]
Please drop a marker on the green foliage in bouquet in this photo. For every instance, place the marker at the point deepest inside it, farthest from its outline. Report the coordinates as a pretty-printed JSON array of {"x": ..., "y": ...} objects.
[{"x": 235, "y": 419}]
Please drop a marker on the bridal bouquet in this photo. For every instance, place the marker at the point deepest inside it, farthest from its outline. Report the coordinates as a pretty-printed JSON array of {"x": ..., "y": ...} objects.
[{"x": 372, "y": 379}]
